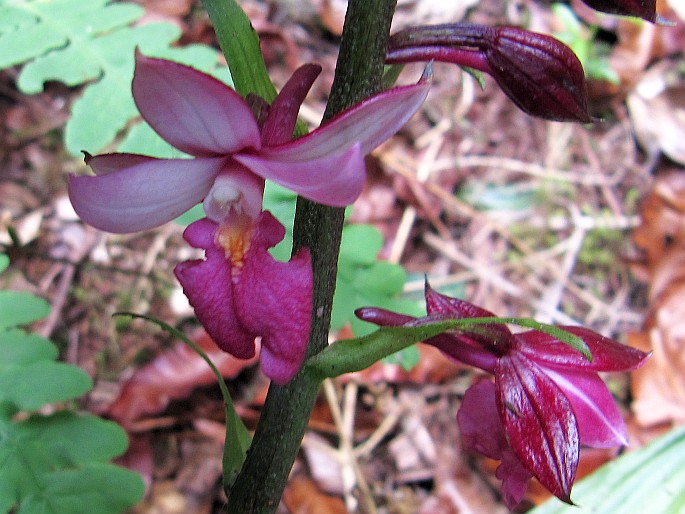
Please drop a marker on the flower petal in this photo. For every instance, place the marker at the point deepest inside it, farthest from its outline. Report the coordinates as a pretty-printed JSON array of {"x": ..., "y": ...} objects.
[
  {"x": 106, "y": 163},
  {"x": 600, "y": 423},
  {"x": 143, "y": 196},
  {"x": 607, "y": 354},
  {"x": 274, "y": 299},
  {"x": 282, "y": 115},
  {"x": 207, "y": 284},
  {"x": 368, "y": 123},
  {"x": 335, "y": 179},
  {"x": 482, "y": 431},
  {"x": 491, "y": 334},
  {"x": 539, "y": 422},
  {"x": 191, "y": 110}
]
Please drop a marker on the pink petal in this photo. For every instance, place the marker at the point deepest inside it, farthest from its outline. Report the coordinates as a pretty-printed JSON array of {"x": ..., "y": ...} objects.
[
  {"x": 607, "y": 354},
  {"x": 208, "y": 286},
  {"x": 369, "y": 123},
  {"x": 333, "y": 179},
  {"x": 274, "y": 299},
  {"x": 106, "y": 163},
  {"x": 492, "y": 334},
  {"x": 192, "y": 111},
  {"x": 482, "y": 431},
  {"x": 600, "y": 423},
  {"x": 143, "y": 196},
  {"x": 539, "y": 422},
  {"x": 280, "y": 121}
]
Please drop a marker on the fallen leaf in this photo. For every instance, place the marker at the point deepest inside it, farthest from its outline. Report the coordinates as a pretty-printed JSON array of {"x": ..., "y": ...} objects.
[
  {"x": 171, "y": 376},
  {"x": 301, "y": 496},
  {"x": 659, "y": 386},
  {"x": 657, "y": 111}
]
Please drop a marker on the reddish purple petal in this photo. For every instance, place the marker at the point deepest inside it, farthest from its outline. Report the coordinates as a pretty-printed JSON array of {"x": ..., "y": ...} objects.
[
  {"x": 106, "y": 163},
  {"x": 208, "y": 286},
  {"x": 192, "y": 111},
  {"x": 368, "y": 123},
  {"x": 282, "y": 115},
  {"x": 143, "y": 196},
  {"x": 335, "y": 179},
  {"x": 607, "y": 354},
  {"x": 482, "y": 431},
  {"x": 600, "y": 423},
  {"x": 494, "y": 335},
  {"x": 645, "y": 9},
  {"x": 539, "y": 422},
  {"x": 274, "y": 299}
]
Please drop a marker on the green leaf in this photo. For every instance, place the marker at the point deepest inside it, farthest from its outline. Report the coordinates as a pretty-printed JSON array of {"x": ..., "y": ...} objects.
[
  {"x": 106, "y": 106},
  {"x": 237, "y": 439},
  {"x": 4, "y": 262},
  {"x": 20, "y": 308},
  {"x": 32, "y": 386},
  {"x": 281, "y": 203},
  {"x": 19, "y": 348},
  {"x": 240, "y": 44},
  {"x": 78, "y": 439},
  {"x": 75, "y": 42},
  {"x": 363, "y": 280},
  {"x": 651, "y": 479},
  {"x": 101, "y": 488},
  {"x": 34, "y": 450},
  {"x": 352, "y": 355}
]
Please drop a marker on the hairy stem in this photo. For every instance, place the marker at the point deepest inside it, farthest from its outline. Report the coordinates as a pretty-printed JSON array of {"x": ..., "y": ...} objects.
[{"x": 260, "y": 484}]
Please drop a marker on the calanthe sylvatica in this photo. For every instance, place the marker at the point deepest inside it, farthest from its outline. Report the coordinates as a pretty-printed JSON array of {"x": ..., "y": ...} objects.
[
  {"x": 539, "y": 73},
  {"x": 546, "y": 400},
  {"x": 239, "y": 292}
]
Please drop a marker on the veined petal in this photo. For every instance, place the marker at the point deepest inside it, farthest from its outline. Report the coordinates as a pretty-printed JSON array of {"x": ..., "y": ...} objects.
[
  {"x": 493, "y": 335},
  {"x": 369, "y": 123},
  {"x": 607, "y": 354},
  {"x": 333, "y": 179},
  {"x": 539, "y": 422},
  {"x": 207, "y": 284},
  {"x": 282, "y": 116},
  {"x": 600, "y": 423},
  {"x": 143, "y": 196},
  {"x": 482, "y": 431},
  {"x": 191, "y": 110},
  {"x": 274, "y": 299},
  {"x": 106, "y": 163}
]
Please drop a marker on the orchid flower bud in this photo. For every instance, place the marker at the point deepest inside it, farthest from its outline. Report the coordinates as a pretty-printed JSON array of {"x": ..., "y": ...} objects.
[
  {"x": 645, "y": 9},
  {"x": 540, "y": 74}
]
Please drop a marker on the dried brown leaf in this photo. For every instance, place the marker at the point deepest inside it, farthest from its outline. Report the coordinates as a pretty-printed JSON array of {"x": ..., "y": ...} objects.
[
  {"x": 659, "y": 386},
  {"x": 171, "y": 376},
  {"x": 301, "y": 496}
]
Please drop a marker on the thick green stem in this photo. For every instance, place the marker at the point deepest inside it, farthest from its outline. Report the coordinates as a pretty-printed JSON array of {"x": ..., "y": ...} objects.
[{"x": 259, "y": 486}]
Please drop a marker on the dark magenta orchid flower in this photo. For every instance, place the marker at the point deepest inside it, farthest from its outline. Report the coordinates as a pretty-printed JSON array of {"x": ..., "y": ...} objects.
[
  {"x": 546, "y": 401},
  {"x": 203, "y": 117},
  {"x": 645, "y": 9},
  {"x": 539, "y": 73},
  {"x": 239, "y": 292}
]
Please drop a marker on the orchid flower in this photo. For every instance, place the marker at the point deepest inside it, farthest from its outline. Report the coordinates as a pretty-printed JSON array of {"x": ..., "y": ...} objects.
[
  {"x": 539, "y": 73},
  {"x": 547, "y": 398},
  {"x": 645, "y": 9},
  {"x": 239, "y": 292}
]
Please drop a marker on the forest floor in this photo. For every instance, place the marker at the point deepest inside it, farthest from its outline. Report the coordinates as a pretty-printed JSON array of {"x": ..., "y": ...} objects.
[{"x": 566, "y": 223}]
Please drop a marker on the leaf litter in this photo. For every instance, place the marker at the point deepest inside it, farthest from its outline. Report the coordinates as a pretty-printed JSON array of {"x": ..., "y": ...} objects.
[{"x": 442, "y": 199}]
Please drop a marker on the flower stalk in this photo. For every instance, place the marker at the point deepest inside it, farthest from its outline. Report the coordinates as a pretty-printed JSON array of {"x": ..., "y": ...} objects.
[{"x": 260, "y": 484}]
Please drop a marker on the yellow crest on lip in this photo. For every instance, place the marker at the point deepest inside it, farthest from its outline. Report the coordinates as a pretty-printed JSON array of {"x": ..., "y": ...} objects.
[{"x": 234, "y": 237}]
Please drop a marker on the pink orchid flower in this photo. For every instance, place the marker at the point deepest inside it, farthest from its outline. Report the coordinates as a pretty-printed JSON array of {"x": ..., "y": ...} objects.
[
  {"x": 547, "y": 398},
  {"x": 239, "y": 292}
]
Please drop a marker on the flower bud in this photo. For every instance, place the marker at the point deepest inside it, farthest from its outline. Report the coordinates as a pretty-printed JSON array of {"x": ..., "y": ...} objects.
[
  {"x": 645, "y": 9},
  {"x": 539, "y": 73}
]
